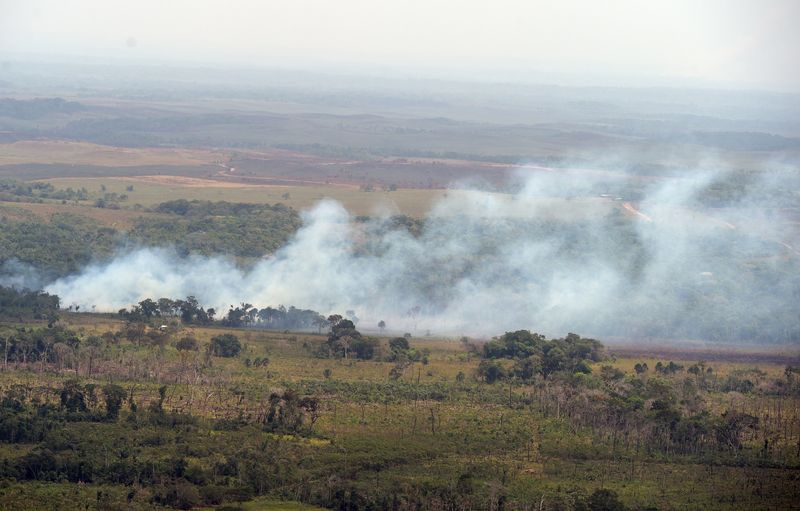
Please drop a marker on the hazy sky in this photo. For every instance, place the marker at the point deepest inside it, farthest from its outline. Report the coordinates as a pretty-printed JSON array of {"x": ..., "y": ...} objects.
[{"x": 753, "y": 43}]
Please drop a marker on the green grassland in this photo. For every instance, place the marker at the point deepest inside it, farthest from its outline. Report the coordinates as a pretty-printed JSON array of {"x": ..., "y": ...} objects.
[{"x": 436, "y": 433}]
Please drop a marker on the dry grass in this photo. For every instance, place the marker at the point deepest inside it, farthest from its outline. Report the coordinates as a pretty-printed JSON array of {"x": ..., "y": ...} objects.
[
  {"x": 448, "y": 356},
  {"x": 721, "y": 368},
  {"x": 149, "y": 191}
]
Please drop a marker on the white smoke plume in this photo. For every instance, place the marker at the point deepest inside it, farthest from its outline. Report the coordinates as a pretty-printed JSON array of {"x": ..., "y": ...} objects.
[
  {"x": 553, "y": 257},
  {"x": 19, "y": 275}
]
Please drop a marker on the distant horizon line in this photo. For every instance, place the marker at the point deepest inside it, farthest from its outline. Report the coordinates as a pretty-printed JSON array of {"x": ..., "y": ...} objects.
[{"x": 423, "y": 74}]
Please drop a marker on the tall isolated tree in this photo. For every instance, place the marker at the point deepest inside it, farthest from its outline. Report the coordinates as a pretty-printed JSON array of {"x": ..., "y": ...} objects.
[{"x": 343, "y": 336}]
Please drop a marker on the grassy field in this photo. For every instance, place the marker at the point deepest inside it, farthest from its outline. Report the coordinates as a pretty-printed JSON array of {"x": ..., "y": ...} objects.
[
  {"x": 430, "y": 428},
  {"x": 448, "y": 355},
  {"x": 148, "y": 192},
  {"x": 412, "y": 202}
]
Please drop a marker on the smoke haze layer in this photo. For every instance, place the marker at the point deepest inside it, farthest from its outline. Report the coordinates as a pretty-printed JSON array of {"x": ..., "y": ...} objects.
[{"x": 554, "y": 257}]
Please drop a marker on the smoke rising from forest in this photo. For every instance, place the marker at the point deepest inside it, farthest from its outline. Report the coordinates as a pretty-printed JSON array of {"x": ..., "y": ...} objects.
[{"x": 554, "y": 256}]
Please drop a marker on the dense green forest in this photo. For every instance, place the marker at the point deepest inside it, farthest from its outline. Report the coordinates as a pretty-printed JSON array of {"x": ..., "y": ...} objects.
[
  {"x": 68, "y": 242},
  {"x": 64, "y": 245},
  {"x": 218, "y": 228},
  {"x": 28, "y": 305}
]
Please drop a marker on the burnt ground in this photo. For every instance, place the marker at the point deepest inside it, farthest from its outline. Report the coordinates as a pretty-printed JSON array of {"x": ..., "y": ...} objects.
[
  {"x": 789, "y": 355},
  {"x": 402, "y": 172}
]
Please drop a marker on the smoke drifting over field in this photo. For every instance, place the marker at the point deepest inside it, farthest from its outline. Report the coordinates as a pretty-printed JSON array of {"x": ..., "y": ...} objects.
[
  {"x": 16, "y": 274},
  {"x": 553, "y": 257}
]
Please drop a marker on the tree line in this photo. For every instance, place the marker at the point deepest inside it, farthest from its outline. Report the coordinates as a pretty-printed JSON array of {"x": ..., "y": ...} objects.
[
  {"x": 23, "y": 304},
  {"x": 67, "y": 242}
]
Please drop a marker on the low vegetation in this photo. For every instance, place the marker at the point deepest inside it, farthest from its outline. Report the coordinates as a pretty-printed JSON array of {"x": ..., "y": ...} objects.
[
  {"x": 152, "y": 412},
  {"x": 20, "y": 191}
]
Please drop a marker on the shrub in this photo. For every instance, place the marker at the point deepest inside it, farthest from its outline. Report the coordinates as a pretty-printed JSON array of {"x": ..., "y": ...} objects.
[
  {"x": 491, "y": 371},
  {"x": 225, "y": 345},
  {"x": 187, "y": 344},
  {"x": 605, "y": 500}
]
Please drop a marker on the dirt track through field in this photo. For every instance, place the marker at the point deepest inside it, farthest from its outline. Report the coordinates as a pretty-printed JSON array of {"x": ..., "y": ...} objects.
[{"x": 190, "y": 182}]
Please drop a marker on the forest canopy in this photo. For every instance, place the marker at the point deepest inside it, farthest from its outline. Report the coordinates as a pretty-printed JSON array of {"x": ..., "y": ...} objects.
[{"x": 68, "y": 242}]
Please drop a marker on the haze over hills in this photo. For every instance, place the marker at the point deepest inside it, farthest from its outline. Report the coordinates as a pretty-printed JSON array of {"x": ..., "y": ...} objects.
[
  {"x": 669, "y": 194},
  {"x": 412, "y": 256}
]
